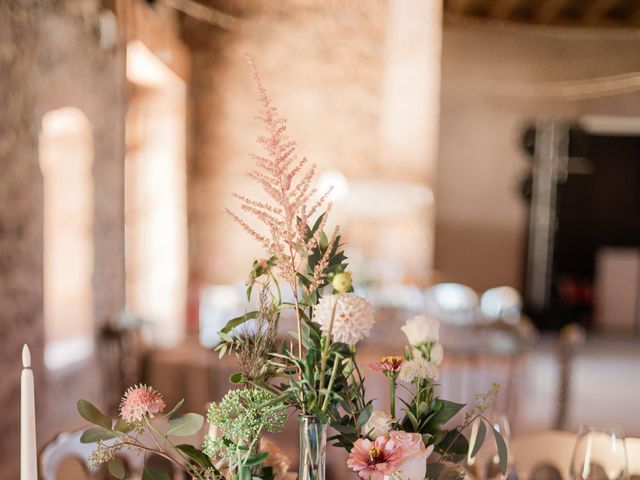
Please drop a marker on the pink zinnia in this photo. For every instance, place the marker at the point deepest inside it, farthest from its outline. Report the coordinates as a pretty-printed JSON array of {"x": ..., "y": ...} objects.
[
  {"x": 388, "y": 365},
  {"x": 374, "y": 460},
  {"x": 139, "y": 401}
]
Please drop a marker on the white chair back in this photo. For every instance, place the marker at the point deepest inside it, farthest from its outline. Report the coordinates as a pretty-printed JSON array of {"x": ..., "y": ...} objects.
[
  {"x": 452, "y": 303},
  {"x": 68, "y": 445},
  {"x": 501, "y": 303}
]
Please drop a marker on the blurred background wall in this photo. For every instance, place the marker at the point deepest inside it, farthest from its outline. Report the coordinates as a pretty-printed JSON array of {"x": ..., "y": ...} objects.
[
  {"x": 494, "y": 81},
  {"x": 360, "y": 89},
  {"x": 50, "y": 60}
]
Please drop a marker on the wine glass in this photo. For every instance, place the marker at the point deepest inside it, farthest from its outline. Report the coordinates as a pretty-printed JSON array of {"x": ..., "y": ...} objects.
[
  {"x": 599, "y": 454},
  {"x": 486, "y": 464},
  {"x": 500, "y": 423}
]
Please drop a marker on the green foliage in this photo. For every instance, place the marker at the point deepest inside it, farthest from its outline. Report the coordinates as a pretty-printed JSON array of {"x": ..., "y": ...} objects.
[
  {"x": 116, "y": 468},
  {"x": 242, "y": 416},
  {"x": 185, "y": 424},
  {"x": 92, "y": 414},
  {"x": 153, "y": 474},
  {"x": 95, "y": 434}
]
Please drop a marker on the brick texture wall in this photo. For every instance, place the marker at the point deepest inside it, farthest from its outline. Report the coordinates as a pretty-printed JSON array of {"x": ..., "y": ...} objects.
[{"x": 50, "y": 57}]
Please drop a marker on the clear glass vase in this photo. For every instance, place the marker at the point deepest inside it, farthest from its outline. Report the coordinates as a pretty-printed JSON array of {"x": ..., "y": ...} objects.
[{"x": 313, "y": 448}]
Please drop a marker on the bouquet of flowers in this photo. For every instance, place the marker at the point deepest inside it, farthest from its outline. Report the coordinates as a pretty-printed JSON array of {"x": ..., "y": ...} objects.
[
  {"x": 391, "y": 446},
  {"x": 315, "y": 373}
]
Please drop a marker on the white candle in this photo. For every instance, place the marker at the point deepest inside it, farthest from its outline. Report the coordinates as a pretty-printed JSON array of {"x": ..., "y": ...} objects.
[{"x": 28, "y": 447}]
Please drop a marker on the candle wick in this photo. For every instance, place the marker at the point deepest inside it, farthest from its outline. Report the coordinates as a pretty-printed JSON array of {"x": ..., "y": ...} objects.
[{"x": 26, "y": 356}]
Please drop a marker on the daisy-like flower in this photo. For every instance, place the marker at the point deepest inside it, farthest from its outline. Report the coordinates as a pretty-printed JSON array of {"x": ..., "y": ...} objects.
[
  {"x": 346, "y": 316},
  {"x": 418, "y": 369},
  {"x": 138, "y": 401},
  {"x": 389, "y": 365},
  {"x": 374, "y": 460}
]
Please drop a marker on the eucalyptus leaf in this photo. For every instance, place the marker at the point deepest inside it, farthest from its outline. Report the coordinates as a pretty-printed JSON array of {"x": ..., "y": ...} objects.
[
  {"x": 122, "y": 426},
  {"x": 92, "y": 414},
  {"x": 194, "y": 454},
  {"x": 185, "y": 425},
  {"x": 503, "y": 455},
  {"x": 95, "y": 434},
  {"x": 479, "y": 439},
  {"x": 446, "y": 411},
  {"x": 153, "y": 474},
  {"x": 116, "y": 468}
]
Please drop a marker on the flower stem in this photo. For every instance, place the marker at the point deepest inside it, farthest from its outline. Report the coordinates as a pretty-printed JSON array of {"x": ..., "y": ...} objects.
[
  {"x": 392, "y": 396},
  {"x": 327, "y": 345},
  {"x": 166, "y": 439},
  {"x": 336, "y": 362}
]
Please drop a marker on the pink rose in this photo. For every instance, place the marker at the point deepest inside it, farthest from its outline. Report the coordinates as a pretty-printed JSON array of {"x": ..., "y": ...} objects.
[{"x": 411, "y": 443}]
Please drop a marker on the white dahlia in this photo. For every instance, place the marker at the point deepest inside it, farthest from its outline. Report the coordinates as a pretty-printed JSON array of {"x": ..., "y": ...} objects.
[
  {"x": 353, "y": 317},
  {"x": 418, "y": 369}
]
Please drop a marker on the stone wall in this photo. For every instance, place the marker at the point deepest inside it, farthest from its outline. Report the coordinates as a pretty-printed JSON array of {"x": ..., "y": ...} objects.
[{"x": 50, "y": 57}]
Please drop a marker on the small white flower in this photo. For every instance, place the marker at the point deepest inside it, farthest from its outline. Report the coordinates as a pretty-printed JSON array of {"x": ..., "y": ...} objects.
[
  {"x": 353, "y": 317},
  {"x": 379, "y": 423},
  {"x": 418, "y": 369},
  {"x": 422, "y": 329}
]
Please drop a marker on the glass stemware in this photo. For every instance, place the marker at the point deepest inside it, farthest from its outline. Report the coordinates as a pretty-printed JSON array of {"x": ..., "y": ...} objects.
[
  {"x": 599, "y": 454},
  {"x": 486, "y": 464}
]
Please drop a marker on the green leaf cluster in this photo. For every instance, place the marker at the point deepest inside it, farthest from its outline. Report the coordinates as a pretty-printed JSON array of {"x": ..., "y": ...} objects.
[{"x": 111, "y": 435}]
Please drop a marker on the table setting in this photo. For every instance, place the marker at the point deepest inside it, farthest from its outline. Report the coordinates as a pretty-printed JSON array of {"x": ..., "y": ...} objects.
[{"x": 313, "y": 374}]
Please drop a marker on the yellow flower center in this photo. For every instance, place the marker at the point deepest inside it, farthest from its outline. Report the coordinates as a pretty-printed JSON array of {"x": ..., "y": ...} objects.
[
  {"x": 393, "y": 361},
  {"x": 376, "y": 455}
]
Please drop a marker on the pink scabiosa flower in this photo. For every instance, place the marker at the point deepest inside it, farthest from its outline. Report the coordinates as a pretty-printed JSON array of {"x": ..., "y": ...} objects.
[
  {"x": 374, "y": 460},
  {"x": 348, "y": 318},
  {"x": 389, "y": 365},
  {"x": 138, "y": 401}
]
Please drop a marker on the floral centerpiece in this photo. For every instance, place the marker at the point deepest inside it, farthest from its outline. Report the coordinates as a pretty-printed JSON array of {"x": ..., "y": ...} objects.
[{"x": 315, "y": 374}]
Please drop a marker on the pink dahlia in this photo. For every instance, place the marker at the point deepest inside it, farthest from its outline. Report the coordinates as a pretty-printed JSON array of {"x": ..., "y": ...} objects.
[
  {"x": 374, "y": 460},
  {"x": 138, "y": 401},
  {"x": 388, "y": 365}
]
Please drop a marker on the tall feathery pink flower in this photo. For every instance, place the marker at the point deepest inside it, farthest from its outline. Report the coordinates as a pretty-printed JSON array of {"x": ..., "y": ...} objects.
[
  {"x": 138, "y": 401},
  {"x": 287, "y": 179},
  {"x": 374, "y": 460}
]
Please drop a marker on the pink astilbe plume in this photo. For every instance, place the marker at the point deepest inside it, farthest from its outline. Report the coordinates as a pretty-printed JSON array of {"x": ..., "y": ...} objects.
[{"x": 287, "y": 180}]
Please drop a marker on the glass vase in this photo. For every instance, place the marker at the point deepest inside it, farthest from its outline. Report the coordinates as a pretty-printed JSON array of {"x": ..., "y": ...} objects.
[{"x": 313, "y": 446}]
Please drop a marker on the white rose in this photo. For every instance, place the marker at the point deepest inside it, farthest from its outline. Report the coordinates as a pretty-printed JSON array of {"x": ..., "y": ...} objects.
[
  {"x": 379, "y": 423},
  {"x": 437, "y": 354},
  {"x": 422, "y": 329}
]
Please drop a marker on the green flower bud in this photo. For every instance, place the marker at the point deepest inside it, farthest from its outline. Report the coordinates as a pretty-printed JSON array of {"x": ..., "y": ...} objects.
[{"x": 342, "y": 282}]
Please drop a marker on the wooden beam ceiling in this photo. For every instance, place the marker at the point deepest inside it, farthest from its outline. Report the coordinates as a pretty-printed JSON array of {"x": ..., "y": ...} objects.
[
  {"x": 588, "y": 13},
  {"x": 596, "y": 10},
  {"x": 549, "y": 10},
  {"x": 503, "y": 9}
]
